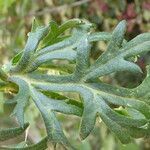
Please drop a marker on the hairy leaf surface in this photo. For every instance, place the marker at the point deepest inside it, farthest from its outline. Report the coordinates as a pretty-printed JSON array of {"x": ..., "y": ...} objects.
[{"x": 126, "y": 112}]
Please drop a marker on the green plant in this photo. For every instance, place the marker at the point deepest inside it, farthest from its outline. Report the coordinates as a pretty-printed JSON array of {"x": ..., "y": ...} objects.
[{"x": 126, "y": 112}]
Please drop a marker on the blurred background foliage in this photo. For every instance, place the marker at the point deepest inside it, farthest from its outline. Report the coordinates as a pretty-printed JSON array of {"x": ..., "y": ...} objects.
[{"x": 15, "y": 22}]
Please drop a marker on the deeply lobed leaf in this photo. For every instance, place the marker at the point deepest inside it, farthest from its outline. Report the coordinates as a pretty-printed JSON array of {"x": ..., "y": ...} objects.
[{"x": 96, "y": 97}]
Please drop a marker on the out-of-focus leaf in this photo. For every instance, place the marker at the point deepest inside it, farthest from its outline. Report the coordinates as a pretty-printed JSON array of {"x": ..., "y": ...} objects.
[
  {"x": 41, "y": 145},
  {"x": 9, "y": 133}
]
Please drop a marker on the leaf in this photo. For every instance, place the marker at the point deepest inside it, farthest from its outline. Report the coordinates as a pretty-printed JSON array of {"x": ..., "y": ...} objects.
[
  {"x": 100, "y": 36},
  {"x": 21, "y": 99},
  {"x": 9, "y": 133},
  {"x": 34, "y": 37},
  {"x": 41, "y": 145},
  {"x": 58, "y": 30},
  {"x": 16, "y": 58},
  {"x": 143, "y": 89},
  {"x": 97, "y": 98},
  {"x": 90, "y": 107},
  {"x": 61, "y": 50},
  {"x": 58, "y": 105},
  {"x": 3, "y": 75},
  {"x": 113, "y": 59},
  {"x": 53, "y": 127}
]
